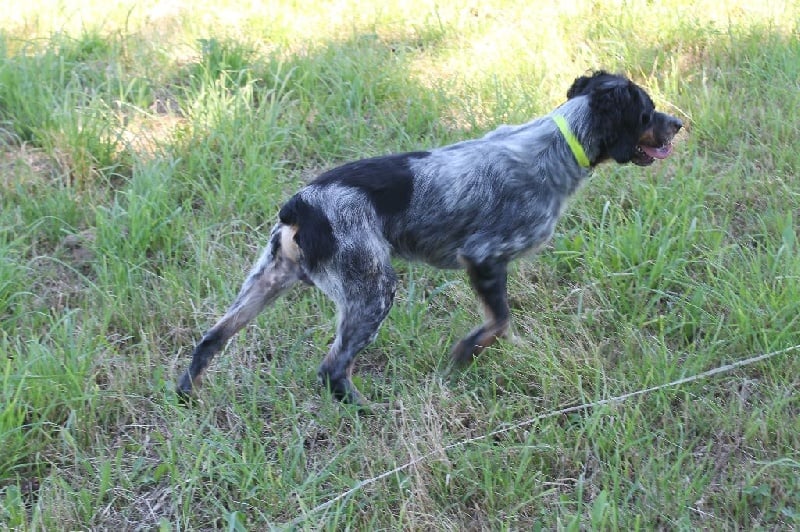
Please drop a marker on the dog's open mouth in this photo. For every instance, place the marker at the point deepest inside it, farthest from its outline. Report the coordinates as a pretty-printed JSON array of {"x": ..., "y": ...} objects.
[{"x": 645, "y": 155}]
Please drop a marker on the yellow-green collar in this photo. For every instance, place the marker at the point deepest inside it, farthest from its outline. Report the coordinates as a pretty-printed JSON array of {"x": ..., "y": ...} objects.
[{"x": 572, "y": 140}]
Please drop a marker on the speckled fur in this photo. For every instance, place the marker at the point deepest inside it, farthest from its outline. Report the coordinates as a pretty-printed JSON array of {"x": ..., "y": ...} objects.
[{"x": 475, "y": 205}]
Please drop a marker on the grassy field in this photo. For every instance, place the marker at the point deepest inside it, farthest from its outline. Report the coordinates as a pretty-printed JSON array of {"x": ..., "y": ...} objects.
[{"x": 146, "y": 147}]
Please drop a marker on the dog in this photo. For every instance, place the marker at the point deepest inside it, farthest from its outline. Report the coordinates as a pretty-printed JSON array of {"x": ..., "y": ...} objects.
[{"x": 474, "y": 205}]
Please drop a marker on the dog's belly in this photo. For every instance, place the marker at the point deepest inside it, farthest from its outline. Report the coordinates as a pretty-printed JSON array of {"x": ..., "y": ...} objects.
[
  {"x": 435, "y": 247},
  {"x": 444, "y": 257},
  {"x": 447, "y": 244}
]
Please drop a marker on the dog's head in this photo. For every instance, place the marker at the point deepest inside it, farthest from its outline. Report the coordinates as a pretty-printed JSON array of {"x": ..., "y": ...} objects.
[{"x": 625, "y": 124}]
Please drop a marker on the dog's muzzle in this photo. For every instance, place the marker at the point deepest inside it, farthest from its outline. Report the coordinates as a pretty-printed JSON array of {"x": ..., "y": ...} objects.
[{"x": 656, "y": 141}]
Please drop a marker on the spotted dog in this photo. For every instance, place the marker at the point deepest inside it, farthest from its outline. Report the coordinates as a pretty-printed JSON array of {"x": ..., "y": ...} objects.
[{"x": 474, "y": 205}]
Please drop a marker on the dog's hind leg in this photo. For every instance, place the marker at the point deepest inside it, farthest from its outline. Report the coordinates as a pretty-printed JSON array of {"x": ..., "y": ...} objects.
[
  {"x": 276, "y": 271},
  {"x": 363, "y": 295},
  {"x": 488, "y": 280}
]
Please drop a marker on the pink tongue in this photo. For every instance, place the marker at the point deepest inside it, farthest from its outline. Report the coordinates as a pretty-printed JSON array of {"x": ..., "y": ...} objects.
[{"x": 657, "y": 153}]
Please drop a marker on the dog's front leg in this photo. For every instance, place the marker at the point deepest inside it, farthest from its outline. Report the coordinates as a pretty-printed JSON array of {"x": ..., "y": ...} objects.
[{"x": 488, "y": 280}]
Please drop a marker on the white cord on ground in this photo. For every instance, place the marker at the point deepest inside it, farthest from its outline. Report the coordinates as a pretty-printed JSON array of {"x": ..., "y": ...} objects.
[{"x": 721, "y": 369}]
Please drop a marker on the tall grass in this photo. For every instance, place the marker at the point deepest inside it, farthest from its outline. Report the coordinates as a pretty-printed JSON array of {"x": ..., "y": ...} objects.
[{"x": 145, "y": 150}]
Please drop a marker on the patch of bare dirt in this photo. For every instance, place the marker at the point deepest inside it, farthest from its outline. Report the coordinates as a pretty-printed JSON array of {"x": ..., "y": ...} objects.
[
  {"x": 59, "y": 279},
  {"x": 78, "y": 249},
  {"x": 22, "y": 164},
  {"x": 145, "y": 133}
]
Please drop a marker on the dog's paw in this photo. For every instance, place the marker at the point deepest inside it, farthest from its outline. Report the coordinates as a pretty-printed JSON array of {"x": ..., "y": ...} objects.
[
  {"x": 465, "y": 351},
  {"x": 342, "y": 389},
  {"x": 186, "y": 398},
  {"x": 184, "y": 390},
  {"x": 460, "y": 358}
]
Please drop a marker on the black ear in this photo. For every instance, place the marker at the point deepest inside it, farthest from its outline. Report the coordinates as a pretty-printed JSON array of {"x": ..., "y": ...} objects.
[
  {"x": 613, "y": 99},
  {"x": 586, "y": 84},
  {"x": 579, "y": 87}
]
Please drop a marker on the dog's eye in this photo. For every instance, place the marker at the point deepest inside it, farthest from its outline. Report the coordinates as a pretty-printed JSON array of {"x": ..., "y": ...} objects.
[{"x": 645, "y": 119}]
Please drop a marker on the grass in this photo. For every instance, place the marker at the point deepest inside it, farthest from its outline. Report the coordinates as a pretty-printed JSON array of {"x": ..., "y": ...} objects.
[{"x": 144, "y": 149}]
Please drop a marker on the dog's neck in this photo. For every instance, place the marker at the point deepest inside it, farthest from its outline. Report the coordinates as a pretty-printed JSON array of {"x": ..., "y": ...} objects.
[
  {"x": 574, "y": 114},
  {"x": 572, "y": 141}
]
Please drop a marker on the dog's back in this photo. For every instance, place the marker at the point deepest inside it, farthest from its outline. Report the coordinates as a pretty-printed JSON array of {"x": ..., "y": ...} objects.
[{"x": 483, "y": 198}]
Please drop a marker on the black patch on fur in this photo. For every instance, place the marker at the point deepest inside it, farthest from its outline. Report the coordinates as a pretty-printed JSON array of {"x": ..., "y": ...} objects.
[
  {"x": 617, "y": 105},
  {"x": 387, "y": 181},
  {"x": 314, "y": 232}
]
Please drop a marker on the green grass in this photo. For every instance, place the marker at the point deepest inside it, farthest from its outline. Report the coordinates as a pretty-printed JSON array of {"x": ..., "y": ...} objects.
[{"x": 145, "y": 151}]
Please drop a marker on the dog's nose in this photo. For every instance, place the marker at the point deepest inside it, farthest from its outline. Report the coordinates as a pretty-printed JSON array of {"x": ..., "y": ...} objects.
[{"x": 676, "y": 124}]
